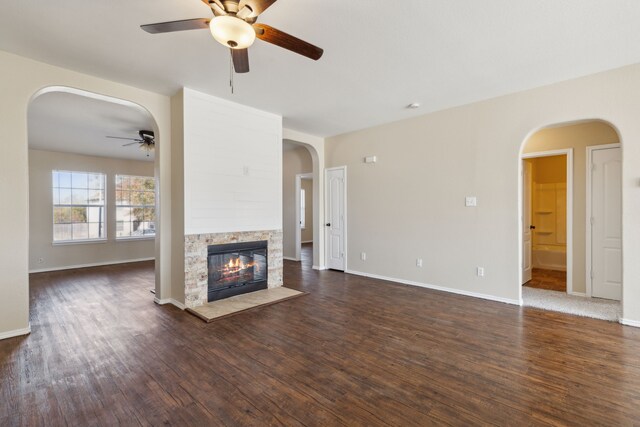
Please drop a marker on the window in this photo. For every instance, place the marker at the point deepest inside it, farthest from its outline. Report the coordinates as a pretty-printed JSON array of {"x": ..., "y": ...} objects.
[
  {"x": 78, "y": 206},
  {"x": 303, "y": 213},
  {"x": 135, "y": 206}
]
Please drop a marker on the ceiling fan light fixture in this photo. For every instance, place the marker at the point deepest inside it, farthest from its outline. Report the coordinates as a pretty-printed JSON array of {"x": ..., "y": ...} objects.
[
  {"x": 147, "y": 148},
  {"x": 232, "y": 32}
]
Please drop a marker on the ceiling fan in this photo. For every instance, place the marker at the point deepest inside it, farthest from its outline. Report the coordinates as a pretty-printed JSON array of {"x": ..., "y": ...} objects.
[
  {"x": 234, "y": 26},
  {"x": 146, "y": 140}
]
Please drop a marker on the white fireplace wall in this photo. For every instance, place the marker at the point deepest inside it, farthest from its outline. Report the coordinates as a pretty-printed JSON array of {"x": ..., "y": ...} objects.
[{"x": 232, "y": 166}]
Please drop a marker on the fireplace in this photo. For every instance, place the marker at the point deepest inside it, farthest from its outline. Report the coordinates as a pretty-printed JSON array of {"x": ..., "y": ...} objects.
[{"x": 236, "y": 268}]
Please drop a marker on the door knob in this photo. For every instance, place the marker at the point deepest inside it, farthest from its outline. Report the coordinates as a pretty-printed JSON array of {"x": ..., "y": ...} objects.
[
  {"x": 328, "y": 224},
  {"x": 532, "y": 227}
]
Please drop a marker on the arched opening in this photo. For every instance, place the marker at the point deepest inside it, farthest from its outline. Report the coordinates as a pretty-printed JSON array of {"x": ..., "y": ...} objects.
[
  {"x": 570, "y": 211},
  {"x": 303, "y": 173},
  {"x": 93, "y": 199}
]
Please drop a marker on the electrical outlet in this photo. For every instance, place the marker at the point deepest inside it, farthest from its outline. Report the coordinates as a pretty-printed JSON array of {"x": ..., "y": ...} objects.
[
  {"x": 363, "y": 256},
  {"x": 40, "y": 260},
  {"x": 470, "y": 201},
  {"x": 480, "y": 271},
  {"x": 419, "y": 262}
]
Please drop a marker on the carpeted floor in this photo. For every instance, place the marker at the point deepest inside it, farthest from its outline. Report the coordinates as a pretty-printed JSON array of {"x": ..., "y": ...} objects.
[{"x": 559, "y": 301}]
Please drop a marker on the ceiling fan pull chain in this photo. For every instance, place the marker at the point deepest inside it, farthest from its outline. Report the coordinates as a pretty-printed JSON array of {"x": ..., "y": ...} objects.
[{"x": 231, "y": 70}]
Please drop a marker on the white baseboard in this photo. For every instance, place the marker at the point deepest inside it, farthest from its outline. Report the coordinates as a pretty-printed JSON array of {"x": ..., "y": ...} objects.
[
  {"x": 15, "y": 333},
  {"x": 319, "y": 267},
  {"x": 307, "y": 241},
  {"x": 629, "y": 322},
  {"x": 93, "y": 264},
  {"x": 288, "y": 258},
  {"x": 178, "y": 304},
  {"x": 438, "y": 288}
]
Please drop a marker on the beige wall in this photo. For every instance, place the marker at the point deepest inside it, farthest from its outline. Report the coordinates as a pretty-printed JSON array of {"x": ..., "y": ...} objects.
[
  {"x": 41, "y": 163},
  {"x": 577, "y": 137},
  {"x": 306, "y": 234},
  {"x": 21, "y": 80},
  {"x": 294, "y": 161},
  {"x": 411, "y": 203}
]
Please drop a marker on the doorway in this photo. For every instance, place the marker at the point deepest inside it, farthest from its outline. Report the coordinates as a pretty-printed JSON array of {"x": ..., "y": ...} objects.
[
  {"x": 336, "y": 217},
  {"x": 547, "y": 233},
  {"x": 92, "y": 198},
  {"x": 304, "y": 218}
]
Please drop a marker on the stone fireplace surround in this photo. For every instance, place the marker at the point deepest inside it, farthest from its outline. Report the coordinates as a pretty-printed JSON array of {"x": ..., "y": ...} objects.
[{"x": 195, "y": 260}]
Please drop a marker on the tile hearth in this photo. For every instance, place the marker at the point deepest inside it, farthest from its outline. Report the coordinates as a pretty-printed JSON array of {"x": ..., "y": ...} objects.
[{"x": 220, "y": 309}]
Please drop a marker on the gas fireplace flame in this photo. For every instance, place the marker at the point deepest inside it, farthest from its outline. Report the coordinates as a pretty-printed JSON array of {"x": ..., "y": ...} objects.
[{"x": 235, "y": 265}]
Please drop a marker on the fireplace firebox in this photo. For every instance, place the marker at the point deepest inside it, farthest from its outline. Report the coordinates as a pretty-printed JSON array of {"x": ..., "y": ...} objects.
[{"x": 236, "y": 268}]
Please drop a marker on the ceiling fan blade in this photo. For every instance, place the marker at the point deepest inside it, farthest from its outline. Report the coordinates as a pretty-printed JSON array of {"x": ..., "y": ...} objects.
[
  {"x": 284, "y": 40},
  {"x": 257, "y": 6},
  {"x": 240, "y": 60},
  {"x": 131, "y": 143},
  {"x": 128, "y": 139},
  {"x": 169, "y": 27}
]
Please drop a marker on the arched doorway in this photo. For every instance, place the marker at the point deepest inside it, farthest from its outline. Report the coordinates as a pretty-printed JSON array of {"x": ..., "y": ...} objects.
[
  {"x": 68, "y": 145},
  {"x": 304, "y": 174},
  {"x": 563, "y": 211}
]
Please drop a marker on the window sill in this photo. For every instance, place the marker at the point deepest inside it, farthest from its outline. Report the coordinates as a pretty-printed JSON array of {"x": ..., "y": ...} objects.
[
  {"x": 135, "y": 239},
  {"x": 78, "y": 242}
]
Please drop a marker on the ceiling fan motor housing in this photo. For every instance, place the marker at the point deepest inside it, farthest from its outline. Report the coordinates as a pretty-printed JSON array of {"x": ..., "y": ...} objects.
[{"x": 146, "y": 134}]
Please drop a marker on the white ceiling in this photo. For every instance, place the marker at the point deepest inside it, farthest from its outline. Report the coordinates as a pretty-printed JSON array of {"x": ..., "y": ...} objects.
[
  {"x": 380, "y": 55},
  {"x": 72, "y": 123}
]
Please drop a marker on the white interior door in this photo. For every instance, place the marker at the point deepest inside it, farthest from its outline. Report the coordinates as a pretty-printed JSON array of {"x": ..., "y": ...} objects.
[
  {"x": 335, "y": 218},
  {"x": 606, "y": 223},
  {"x": 526, "y": 221}
]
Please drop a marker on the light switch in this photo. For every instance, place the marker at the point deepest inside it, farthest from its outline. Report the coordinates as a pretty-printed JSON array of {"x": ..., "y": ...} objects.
[
  {"x": 470, "y": 201},
  {"x": 370, "y": 159}
]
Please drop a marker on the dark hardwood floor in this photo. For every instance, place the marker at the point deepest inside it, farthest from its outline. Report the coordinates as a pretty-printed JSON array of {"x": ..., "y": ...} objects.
[
  {"x": 306, "y": 255},
  {"x": 550, "y": 280},
  {"x": 355, "y": 351}
]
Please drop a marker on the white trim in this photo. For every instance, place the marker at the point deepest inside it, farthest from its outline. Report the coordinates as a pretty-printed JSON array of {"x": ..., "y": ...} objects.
[
  {"x": 288, "y": 258},
  {"x": 319, "y": 267},
  {"x": 166, "y": 301},
  {"x": 589, "y": 207},
  {"x": 629, "y": 322},
  {"x": 79, "y": 242},
  {"x": 94, "y": 264},
  {"x": 326, "y": 214},
  {"x": 569, "y": 220},
  {"x": 438, "y": 288},
  {"x": 15, "y": 333}
]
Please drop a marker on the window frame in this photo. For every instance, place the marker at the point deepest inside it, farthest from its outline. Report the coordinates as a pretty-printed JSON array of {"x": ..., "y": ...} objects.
[
  {"x": 116, "y": 205},
  {"x": 54, "y": 205}
]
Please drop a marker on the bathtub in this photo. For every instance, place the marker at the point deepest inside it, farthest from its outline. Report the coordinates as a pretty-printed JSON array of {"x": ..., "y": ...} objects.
[{"x": 549, "y": 257}]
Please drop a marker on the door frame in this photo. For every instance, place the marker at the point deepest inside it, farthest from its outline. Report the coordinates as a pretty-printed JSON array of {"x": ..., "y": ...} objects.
[
  {"x": 559, "y": 152},
  {"x": 326, "y": 213},
  {"x": 298, "y": 233},
  {"x": 588, "y": 233}
]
